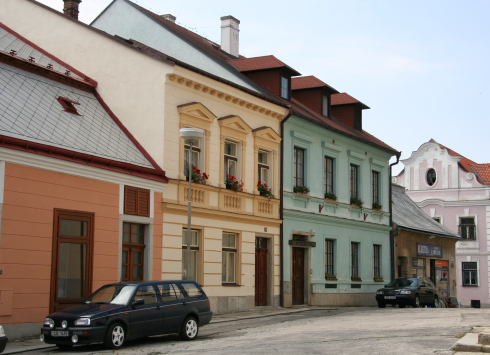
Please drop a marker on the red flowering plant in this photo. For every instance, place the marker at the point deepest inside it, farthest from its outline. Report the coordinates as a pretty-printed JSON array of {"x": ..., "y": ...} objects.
[
  {"x": 233, "y": 184},
  {"x": 264, "y": 190},
  {"x": 197, "y": 176}
]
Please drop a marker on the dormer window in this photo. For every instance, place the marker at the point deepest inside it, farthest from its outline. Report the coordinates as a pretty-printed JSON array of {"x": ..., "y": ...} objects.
[
  {"x": 68, "y": 105},
  {"x": 285, "y": 88},
  {"x": 325, "y": 106}
]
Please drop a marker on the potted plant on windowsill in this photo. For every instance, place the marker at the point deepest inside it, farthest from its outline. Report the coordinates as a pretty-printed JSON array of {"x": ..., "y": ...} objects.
[
  {"x": 233, "y": 184},
  {"x": 264, "y": 190},
  {"x": 330, "y": 196},
  {"x": 355, "y": 278},
  {"x": 357, "y": 202},
  {"x": 301, "y": 190},
  {"x": 196, "y": 176},
  {"x": 331, "y": 277},
  {"x": 378, "y": 278},
  {"x": 377, "y": 206}
]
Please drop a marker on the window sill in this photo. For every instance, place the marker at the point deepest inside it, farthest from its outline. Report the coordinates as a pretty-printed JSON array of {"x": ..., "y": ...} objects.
[
  {"x": 331, "y": 279},
  {"x": 355, "y": 279},
  {"x": 230, "y": 284},
  {"x": 378, "y": 280},
  {"x": 470, "y": 285}
]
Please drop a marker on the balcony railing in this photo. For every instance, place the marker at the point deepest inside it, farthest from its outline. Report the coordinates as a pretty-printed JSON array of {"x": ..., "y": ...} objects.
[{"x": 467, "y": 232}]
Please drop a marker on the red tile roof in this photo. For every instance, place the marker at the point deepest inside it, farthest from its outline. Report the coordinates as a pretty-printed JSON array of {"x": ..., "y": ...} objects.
[
  {"x": 464, "y": 162},
  {"x": 345, "y": 99},
  {"x": 308, "y": 82},
  {"x": 260, "y": 63},
  {"x": 483, "y": 171}
]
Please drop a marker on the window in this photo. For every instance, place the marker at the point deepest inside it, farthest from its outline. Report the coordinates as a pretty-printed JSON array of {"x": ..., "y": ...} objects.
[
  {"x": 329, "y": 175},
  {"x": 231, "y": 159},
  {"x": 431, "y": 177},
  {"x": 192, "y": 290},
  {"x": 136, "y": 201},
  {"x": 263, "y": 167},
  {"x": 229, "y": 250},
  {"x": 354, "y": 183},
  {"x": 193, "y": 254},
  {"x": 418, "y": 267},
  {"x": 170, "y": 292},
  {"x": 437, "y": 219},
  {"x": 375, "y": 186},
  {"x": 196, "y": 152},
  {"x": 377, "y": 260},
  {"x": 299, "y": 166},
  {"x": 146, "y": 293},
  {"x": 68, "y": 105},
  {"x": 470, "y": 273},
  {"x": 325, "y": 105},
  {"x": 285, "y": 88},
  {"x": 354, "y": 259},
  {"x": 133, "y": 252},
  {"x": 329, "y": 257},
  {"x": 467, "y": 228}
]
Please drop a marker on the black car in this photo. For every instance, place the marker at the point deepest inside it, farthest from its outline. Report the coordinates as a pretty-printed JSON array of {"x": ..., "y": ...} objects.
[
  {"x": 408, "y": 291},
  {"x": 3, "y": 340},
  {"x": 129, "y": 310}
]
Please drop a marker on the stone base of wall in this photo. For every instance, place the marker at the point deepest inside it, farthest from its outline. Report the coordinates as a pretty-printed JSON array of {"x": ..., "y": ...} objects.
[
  {"x": 276, "y": 300},
  {"x": 343, "y": 299},
  {"x": 231, "y": 304},
  {"x": 16, "y": 331}
]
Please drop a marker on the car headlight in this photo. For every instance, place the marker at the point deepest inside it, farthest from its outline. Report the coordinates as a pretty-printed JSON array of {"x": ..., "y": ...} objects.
[
  {"x": 82, "y": 321},
  {"x": 405, "y": 292},
  {"x": 49, "y": 322},
  {"x": 379, "y": 292}
]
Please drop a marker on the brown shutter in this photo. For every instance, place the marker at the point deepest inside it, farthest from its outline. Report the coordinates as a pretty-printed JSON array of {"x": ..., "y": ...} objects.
[
  {"x": 130, "y": 200},
  {"x": 143, "y": 202}
]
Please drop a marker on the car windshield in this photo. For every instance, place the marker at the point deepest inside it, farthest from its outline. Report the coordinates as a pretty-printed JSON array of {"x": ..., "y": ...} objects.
[
  {"x": 113, "y": 294},
  {"x": 403, "y": 283}
]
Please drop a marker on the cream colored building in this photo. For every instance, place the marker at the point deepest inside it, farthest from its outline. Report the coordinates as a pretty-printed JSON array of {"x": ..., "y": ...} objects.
[{"x": 154, "y": 96}]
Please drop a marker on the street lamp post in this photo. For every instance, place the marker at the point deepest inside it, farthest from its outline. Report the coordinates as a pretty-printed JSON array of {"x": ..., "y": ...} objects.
[{"x": 190, "y": 134}]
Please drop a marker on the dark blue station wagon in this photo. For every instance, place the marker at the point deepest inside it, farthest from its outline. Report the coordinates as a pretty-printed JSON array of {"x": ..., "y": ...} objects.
[{"x": 129, "y": 310}]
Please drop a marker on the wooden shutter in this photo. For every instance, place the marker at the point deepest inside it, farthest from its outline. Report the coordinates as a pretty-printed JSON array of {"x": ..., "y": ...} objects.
[{"x": 143, "y": 202}]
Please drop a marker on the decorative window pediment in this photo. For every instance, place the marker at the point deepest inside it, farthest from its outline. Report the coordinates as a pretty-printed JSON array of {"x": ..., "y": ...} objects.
[
  {"x": 234, "y": 127},
  {"x": 267, "y": 137},
  {"x": 196, "y": 115}
]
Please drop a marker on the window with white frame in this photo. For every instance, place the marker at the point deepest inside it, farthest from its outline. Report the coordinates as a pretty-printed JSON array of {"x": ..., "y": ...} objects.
[
  {"x": 377, "y": 260},
  {"x": 467, "y": 228},
  {"x": 354, "y": 181},
  {"x": 231, "y": 158},
  {"x": 325, "y": 105},
  {"x": 470, "y": 273},
  {"x": 329, "y": 175},
  {"x": 354, "y": 247},
  {"x": 375, "y": 186},
  {"x": 285, "y": 88},
  {"x": 194, "y": 254},
  {"x": 229, "y": 253},
  {"x": 263, "y": 167},
  {"x": 299, "y": 166},
  {"x": 329, "y": 258},
  {"x": 196, "y": 155}
]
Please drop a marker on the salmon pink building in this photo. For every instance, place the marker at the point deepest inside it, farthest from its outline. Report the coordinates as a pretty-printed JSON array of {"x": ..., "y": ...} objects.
[
  {"x": 455, "y": 191},
  {"x": 80, "y": 199}
]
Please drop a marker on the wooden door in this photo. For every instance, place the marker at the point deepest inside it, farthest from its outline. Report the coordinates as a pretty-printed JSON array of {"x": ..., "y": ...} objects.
[
  {"x": 261, "y": 276},
  {"x": 298, "y": 276}
]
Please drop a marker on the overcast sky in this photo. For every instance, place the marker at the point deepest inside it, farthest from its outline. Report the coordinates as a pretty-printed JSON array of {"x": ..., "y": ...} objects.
[{"x": 422, "y": 66}]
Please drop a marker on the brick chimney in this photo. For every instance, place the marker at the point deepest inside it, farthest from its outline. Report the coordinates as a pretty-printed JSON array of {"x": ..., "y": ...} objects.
[
  {"x": 229, "y": 35},
  {"x": 169, "y": 17},
  {"x": 71, "y": 8}
]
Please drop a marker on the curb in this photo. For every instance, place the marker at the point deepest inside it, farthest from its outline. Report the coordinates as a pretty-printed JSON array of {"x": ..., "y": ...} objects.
[
  {"x": 28, "y": 348},
  {"x": 270, "y": 314}
]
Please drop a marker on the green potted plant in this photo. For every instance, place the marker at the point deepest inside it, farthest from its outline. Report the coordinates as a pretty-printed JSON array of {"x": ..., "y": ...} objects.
[
  {"x": 355, "y": 278},
  {"x": 301, "y": 189},
  {"x": 378, "y": 278},
  {"x": 233, "y": 184},
  {"x": 330, "y": 277},
  {"x": 358, "y": 202},
  {"x": 377, "y": 206},
  {"x": 330, "y": 196},
  {"x": 264, "y": 190}
]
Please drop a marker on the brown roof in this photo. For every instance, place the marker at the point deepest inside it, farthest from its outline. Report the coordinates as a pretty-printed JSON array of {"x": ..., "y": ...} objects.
[
  {"x": 483, "y": 172},
  {"x": 345, "y": 99},
  {"x": 464, "y": 162},
  {"x": 261, "y": 63},
  {"x": 308, "y": 82}
]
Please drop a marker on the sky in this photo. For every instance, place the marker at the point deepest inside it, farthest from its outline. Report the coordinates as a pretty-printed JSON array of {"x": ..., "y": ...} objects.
[{"x": 423, "y": 67}]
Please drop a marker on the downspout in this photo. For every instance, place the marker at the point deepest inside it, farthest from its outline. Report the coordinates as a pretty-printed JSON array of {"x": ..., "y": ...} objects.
[
  {"x": 392, "y": 235},
  {"x": 281, "y": 213}
]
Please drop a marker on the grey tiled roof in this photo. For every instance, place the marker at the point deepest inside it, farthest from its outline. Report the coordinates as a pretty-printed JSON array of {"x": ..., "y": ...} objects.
[
  {"x": 9, "y": 42},
  {"x": 29, "y": 110},
  {"x": 406, "y": 214}
]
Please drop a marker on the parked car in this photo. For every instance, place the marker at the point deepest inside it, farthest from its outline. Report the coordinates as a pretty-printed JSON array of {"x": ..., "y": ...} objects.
[
  {"x": 408, "y": 291},
  {"x": 129, "y": 310},
  {"x": 3, "y": 339}
]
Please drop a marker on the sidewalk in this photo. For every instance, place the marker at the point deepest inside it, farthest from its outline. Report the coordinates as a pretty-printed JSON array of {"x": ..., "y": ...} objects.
[
  {"x": 29, "y": 344},
  {"x": 470, "y": 342}
]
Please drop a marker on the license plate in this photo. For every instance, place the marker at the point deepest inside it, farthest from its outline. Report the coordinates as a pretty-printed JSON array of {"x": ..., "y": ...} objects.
[
  {"x": 59, "y": 333},
  {"x": 390, "y": 297}
]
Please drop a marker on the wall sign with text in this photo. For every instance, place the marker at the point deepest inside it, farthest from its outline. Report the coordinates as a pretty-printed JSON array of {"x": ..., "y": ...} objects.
[{"x": 429, "y": 250}]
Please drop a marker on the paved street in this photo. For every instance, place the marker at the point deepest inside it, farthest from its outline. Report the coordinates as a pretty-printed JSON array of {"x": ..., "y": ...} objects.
[{"x": 337, "y": 331}]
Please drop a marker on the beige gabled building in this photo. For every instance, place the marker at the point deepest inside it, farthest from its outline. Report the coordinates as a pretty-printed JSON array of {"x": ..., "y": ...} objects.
[{"x": 235, "y": 251}]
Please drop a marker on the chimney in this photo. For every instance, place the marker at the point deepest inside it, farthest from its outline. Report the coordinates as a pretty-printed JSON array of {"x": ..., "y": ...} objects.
[
  {"x": 229, "y": 35},
  {"x": 169, "y": 17},
  {"x": 71, "y": 8}
]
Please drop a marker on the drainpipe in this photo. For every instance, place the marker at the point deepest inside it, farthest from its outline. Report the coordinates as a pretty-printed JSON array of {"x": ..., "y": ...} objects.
[
  {"x": 281, "y": 213},
  {"x": 392, "y": 235}
]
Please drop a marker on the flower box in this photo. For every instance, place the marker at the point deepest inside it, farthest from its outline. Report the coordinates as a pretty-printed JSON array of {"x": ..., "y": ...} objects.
[
  {"x": 378, "y": 280},
  {"x": 331, "y": 278},
  {"x": 355, "y": 278}
]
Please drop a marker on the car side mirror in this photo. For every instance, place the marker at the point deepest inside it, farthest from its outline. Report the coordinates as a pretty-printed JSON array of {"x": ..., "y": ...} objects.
[{"x": 137, "y": 302}]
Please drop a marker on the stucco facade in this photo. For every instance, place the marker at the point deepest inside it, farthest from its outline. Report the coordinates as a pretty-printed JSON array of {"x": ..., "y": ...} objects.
[{"x": 456, "y": 196}]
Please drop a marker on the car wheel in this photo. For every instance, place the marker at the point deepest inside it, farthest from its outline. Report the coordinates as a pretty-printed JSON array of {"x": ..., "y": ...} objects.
[
  {"x": 115, "y": 336},
  {"x": 381, "y": 305},
  {"x": 435, "y": 303},
  {"x": 64, "y": 346},
  {"x": 189, "y": 329},
  {"x": 416, "y": 302},
  {"x": 402, "y": 305}
]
